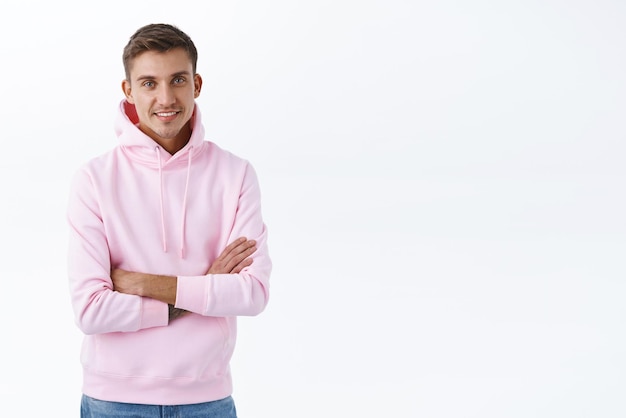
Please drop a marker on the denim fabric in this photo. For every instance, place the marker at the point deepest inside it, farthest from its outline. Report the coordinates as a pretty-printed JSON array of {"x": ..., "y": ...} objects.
[{"x": 94, "y": 408}]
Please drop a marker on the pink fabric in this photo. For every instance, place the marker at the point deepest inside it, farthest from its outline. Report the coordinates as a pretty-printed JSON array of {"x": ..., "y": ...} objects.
[{"x": 141, "y": 209}]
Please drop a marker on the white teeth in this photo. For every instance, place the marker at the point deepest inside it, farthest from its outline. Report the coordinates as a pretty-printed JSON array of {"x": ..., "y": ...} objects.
[{"x": 166, "y": 114}]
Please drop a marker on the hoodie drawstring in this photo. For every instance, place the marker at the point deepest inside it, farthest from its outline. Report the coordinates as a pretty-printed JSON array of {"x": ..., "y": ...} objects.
[
  {"x": 184, "y": 214},
  {"x": 161, "y": 200},
  {"x": 184, "y": 208}
]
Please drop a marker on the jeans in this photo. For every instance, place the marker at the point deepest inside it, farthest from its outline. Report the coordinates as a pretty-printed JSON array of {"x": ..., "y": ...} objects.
[{"x": 94, "y": 408}]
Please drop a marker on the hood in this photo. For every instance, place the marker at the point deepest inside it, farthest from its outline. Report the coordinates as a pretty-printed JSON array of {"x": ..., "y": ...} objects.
[{"x": 142, "y": 149}]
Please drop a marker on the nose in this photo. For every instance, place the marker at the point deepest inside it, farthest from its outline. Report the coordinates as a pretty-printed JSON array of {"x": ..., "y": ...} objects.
[{"x": 165, "y": 95}]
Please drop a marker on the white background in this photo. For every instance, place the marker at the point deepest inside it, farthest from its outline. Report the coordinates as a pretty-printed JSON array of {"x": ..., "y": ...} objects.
[{"x": 443, "y": 183}]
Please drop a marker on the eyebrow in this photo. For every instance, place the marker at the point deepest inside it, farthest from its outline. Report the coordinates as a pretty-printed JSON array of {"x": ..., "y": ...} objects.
[{"x": 151, "y": 77}]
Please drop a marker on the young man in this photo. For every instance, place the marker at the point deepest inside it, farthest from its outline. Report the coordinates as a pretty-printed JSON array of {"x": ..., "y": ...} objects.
[{"x": 167, "y": 247}]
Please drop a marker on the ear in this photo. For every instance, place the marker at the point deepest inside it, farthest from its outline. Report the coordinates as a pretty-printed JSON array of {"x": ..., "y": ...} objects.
[
  {"x": 197, "y": 85},
  {"x": 127, "y": 91}
]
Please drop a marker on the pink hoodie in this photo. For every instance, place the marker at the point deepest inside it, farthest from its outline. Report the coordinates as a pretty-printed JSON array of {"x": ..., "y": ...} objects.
[{"x": 141, "y": 209}]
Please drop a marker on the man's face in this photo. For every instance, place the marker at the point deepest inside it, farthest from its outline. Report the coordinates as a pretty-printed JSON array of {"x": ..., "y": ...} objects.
[{"x": 163, "y": 89}]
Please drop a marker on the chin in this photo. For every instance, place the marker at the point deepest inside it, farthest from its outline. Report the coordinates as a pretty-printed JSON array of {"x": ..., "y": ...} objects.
[{"x": 167, "y": 134}]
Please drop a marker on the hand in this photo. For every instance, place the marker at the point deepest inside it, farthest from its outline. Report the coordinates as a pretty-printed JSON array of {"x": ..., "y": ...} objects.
[{"x": 234, "y": 257}]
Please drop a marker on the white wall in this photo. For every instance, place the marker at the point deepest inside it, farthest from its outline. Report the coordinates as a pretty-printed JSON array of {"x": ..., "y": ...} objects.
[{"x": 443, "y": 183}]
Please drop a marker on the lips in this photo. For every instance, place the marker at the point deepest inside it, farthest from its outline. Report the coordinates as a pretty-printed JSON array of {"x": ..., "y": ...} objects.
[{"x": 165, "y": 114}]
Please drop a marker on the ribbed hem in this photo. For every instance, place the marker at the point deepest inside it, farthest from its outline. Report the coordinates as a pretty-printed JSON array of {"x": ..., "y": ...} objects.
[{"x": 154, "y": 390}]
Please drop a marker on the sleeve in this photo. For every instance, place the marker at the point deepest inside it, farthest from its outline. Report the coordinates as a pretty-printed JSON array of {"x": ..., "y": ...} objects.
[
  {"x": 97, "y": 307},
  {"x": 245, "y": 293}
]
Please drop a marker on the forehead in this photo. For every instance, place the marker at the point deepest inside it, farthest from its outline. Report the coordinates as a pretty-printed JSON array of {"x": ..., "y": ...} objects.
[{"x": 160, "y": 64}]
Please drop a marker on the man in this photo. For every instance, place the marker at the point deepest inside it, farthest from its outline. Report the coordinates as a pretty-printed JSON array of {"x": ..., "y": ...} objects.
[{"x": 167, "y": 247}]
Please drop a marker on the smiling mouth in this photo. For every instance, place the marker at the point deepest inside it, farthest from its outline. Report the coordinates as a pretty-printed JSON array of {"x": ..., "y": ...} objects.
[{"x": 165, "y": 114}]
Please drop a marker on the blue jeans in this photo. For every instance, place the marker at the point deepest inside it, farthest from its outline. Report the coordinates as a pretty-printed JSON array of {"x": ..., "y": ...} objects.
[{"x": 94, "y": 408}]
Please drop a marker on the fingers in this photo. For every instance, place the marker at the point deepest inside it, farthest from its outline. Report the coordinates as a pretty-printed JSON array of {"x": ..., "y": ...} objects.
[
  {"x": 236, "y": 247},
  {"x": 240, "y": 266},
  {"x": 235, "y": 257},
  {"x": 241, "y": 260}
]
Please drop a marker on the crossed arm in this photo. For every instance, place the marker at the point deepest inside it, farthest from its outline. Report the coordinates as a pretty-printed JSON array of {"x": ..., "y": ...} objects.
[{"x": 232, "y": 260}]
